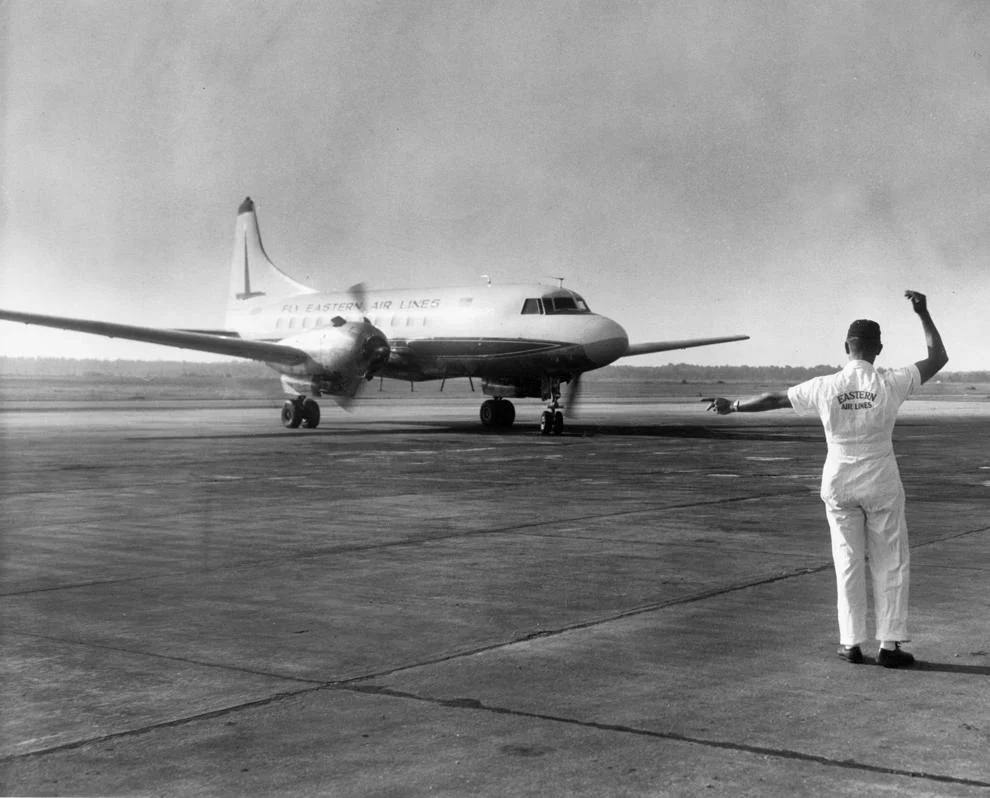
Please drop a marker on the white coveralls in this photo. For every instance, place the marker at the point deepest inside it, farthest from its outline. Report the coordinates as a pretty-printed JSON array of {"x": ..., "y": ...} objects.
[{"x": 862, "y": 491}]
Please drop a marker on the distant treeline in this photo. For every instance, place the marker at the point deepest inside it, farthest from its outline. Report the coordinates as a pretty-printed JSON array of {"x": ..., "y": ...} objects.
[
  {"x": 775, "y": 375},
  {"x": 141, "y": 369},
  {"x": 247, "y": 369},
  {"x": 687, "y": 372}
]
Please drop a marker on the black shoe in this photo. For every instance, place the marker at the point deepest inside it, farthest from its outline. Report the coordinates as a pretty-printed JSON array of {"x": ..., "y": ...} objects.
[
  {"x": 851, "y": 654},
  {"x": 894, "y": 658}
]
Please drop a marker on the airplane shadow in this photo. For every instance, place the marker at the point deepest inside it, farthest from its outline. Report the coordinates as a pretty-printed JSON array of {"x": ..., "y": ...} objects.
[
  {"x": 572, "y": 431},
  {"x": 576, "y": 429},
  {"x": 698, "y": 431}
]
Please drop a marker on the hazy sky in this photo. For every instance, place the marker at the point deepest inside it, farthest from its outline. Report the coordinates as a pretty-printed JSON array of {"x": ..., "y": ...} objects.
[{"x": 692, "y": 168}]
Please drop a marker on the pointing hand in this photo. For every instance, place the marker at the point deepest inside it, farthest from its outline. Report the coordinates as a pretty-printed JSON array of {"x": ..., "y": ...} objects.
[{"x": 719, "y": 405}]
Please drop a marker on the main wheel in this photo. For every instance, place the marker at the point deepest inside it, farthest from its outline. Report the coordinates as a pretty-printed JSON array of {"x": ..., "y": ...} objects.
[
  {"x": 558, "y": 423},
  {"x": 489, "y": 413},
  {"x": 497, "y": 413},
  {"x": 292, "y": 415},
  {"x": 310, "y": 414},
  {"x": 505, "y": 412}
]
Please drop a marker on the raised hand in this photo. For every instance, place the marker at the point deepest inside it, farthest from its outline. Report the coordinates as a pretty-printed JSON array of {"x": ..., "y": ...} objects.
[{"x": 918, "y": 301}]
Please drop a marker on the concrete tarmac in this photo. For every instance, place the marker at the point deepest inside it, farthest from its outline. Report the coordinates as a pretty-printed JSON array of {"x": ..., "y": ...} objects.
[{"x": 196, "y": 601}]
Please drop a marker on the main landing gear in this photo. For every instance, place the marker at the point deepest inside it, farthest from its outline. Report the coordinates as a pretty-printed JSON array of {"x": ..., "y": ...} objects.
[
  {"x": 497, "y": 413},
  {"x": 301, "y": 411}
]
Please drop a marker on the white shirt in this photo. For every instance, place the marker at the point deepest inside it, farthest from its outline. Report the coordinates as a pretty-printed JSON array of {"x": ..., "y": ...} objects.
[{"x": 858, "y": 407}]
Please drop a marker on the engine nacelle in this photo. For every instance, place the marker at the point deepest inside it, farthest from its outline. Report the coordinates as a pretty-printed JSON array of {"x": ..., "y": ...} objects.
[
  {"x": 517, "y": 389},
  {"x": 342, "y": 356}
]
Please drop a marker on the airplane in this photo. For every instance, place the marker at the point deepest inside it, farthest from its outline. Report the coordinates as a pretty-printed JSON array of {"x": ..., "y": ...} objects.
[{"x": 520, "y": 340}]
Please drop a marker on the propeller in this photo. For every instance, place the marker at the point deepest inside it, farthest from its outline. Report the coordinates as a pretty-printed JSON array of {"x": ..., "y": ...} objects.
[{"x": 375, "y": 351}]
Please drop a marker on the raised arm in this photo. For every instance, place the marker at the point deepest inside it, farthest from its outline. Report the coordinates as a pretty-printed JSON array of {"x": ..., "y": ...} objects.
[
  {"x": 937, "y": 356},
  {"x": 768, "y": 401}
]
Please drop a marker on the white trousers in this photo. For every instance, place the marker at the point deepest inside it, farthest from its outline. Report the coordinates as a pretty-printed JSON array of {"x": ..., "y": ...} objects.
[{"x": 878, "y": 531}]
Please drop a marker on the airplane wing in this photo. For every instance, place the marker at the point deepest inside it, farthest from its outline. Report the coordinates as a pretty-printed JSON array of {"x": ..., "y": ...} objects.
[
  {"x": 182, "y": 339},
  {"x": 664, "y": 346}
]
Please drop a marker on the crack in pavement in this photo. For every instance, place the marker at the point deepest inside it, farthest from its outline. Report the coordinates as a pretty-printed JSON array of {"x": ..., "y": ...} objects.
[
  {"x": 781, "y": 753},
  {"x": 352, "y": 548}
]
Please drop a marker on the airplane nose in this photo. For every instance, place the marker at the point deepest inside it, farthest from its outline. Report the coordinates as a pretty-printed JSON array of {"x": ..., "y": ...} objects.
[{"x": 609, "y": 343}]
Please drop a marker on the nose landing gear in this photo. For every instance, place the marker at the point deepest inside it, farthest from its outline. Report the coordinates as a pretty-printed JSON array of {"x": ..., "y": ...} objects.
[{"x": 551, "y": 419}]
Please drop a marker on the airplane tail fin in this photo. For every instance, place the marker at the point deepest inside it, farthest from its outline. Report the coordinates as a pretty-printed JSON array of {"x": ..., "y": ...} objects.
[{"x": 253, "y": 276}]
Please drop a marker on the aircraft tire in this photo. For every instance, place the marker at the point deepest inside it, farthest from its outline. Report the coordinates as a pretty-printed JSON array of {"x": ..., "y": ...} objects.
[
  {"x": 557, "y": 426},
  {"x": 310, "y": 414},
  {"x": 497, "y": 413},
  {"x": 489, "y": 413},
  {"x": 546, "y": 422},
  {"x": 291, "y": 414}
]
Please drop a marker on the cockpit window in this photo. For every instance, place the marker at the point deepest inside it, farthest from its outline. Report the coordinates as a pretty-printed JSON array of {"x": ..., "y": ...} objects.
[
  {"x": 549, "y": 304},
  {"x": 565, "y": 303}
]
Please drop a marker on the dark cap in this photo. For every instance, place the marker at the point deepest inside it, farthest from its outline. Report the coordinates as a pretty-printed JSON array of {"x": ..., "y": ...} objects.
[{"x": 864, "y": 329}]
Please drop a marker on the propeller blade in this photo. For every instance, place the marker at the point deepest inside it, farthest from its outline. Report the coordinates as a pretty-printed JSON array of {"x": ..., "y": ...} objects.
[
  {"x": 574, "y": 395},
  {"x": 343, "y": 401},
  {"x": 359, "y": 294}
]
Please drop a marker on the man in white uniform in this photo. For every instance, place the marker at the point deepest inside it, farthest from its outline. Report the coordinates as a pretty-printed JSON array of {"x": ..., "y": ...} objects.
[{"x": 861, "y": 485}]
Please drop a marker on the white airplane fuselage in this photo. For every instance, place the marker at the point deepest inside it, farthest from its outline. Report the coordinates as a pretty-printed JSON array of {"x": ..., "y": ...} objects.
[{"x": 510, "y": 336}]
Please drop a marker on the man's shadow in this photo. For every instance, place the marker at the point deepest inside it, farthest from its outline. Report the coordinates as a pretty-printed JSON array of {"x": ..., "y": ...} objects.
[
  {"x": 940, "y": 667},
  {"x": 947, "y": 667}
]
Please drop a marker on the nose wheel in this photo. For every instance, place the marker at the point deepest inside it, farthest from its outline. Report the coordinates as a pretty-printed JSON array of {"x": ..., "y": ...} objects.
[{"x": 551, "y": 421}]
